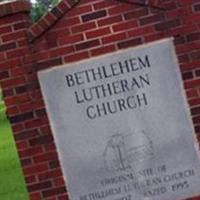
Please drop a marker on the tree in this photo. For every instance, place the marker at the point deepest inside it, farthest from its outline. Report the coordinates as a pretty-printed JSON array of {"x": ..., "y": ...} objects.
[
  {"x": 41, "y": 7},
  {"x": 2, "y": 107}
]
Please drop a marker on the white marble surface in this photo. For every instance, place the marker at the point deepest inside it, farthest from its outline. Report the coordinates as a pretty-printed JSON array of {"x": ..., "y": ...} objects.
[{"x": 142, "y": 144}]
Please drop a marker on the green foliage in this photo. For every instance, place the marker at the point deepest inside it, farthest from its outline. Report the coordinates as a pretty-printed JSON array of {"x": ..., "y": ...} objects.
[
  {"x": 41, "y": 7},
  {"x": 12, "y": 185},
  {"x": 2, "y": 107}
]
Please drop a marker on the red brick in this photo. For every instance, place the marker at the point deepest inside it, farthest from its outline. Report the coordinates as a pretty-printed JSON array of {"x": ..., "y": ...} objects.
[
  {"x": 195, "y": 55},
  {"x": 11, "y": 8},
  {"x": 30, "y": 152},
  {"x": 196, "y": 198},
  {"x": 197, "y": 73},
  {"x": 25, "y": 135},
  {"x": 7, "y": 46},
  {"x": 102, "y": 4},
  {"x": 179, "y": 40},
  {"x": 39, "y": 186},
  {"x": 98, "y": 33},
  {"x": 121, "y": 8},
  {"x": 59, "y": 182},
  {"x": 8, "y": 93},
  {"x": 193, "y": 37},
  {"x": 45, "y": 157},
  {"x": 49, "y": 18},
  {"x": 190, "y": 65},
  {"x": 49, "y": 147},
  {"x": 12, "y": 19},
  {"x": 109, "y": 20},
  {"x": 13, "y": 82},
  {"x": 16, "y": 100},
  {"x": 94, "y": 15},
  {"x": 12, "y": 110},
  {"x": 63, "y": 197},
  {"x": 40, "y": 112},
  {"x": 4, "y": 75},
  {"x": 183, "y": 58},
  {"x": 68, "y": 22},
  {"x": 26, "y": 162},
  {"x": 76, "y": 57},
  {"x": 35, "y": 196},
  {"x": 16, "y": 53},
  {"x": 29, "y": 106},
  {"x": 181, "y": 11},
  {"x": 71, "y": 3},
  {"x": 70, "y": 39},
  {"x": 48, "y": 63},
  {"x": 136, "y": 13},
  {"x": 195, "y": 110},
  {"x": 17, "y": 128},
  {"x": 186, "y": 29},
  {"x": 103, "y": 50},
  {"x": 53, "y": 164},
  {"x": 57, "y": 12},
  {"x": 5, "y": 29},
  {"x": 52, "y": 198},
  {"x": 113, "y": 38},
  {"x": 13, "y": 36},
  {"x": 30, "y": 179},
  {"x": 61, "y": 51},
  {"x": 191, "y": 93},
  {"x": 35, "y": 169},
  {"x": 63, "y": 6},
  {"x": 192, "y": 83},
  {"x": 83, "y": 27},
  {"x": 20, "y": 89},
  {"x": 8, "y": 64},
  {"x": 21, "y": 117},
  {"x": 151, "y": 19},
  {"x": 141, "y": 31},
  {"x": 171, "y": 5},
  {"x": 36, "y": 122},
  {"x": 167, "y": 24},
  {"x": 129, "y": 43},
  {"x": 87, "y": 44},
  {"x": 196, "y": 120},
  {"x": 22, "y": 146},
  {"x": 186, "y": 2},
  {"x": 192, "y": 18},
  {"x": 197, "y": 7},
  {"x": 194, "y": 102},
  {"x": 21, "y": 25},
  {"x": 59, "y": 190},
  {"x": 45, "y": 175},
  {"x": 125, "y": 26},
  {"x": 80, "y": 10},
  {"x": 44, "y": 139},
  {"x": 2, "y": 57},
  {"x": 45, "y": 129},
  {"x": 187, "y": 75}
]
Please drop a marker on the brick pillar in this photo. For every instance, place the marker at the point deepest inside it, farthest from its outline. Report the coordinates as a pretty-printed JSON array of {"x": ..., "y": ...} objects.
[
  {"x": 14, "y": 21},
  {"x": 25, "y": 107}
]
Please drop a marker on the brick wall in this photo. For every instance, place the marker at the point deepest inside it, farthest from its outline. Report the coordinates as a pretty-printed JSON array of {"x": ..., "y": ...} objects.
[{"x": 72, "y": 32}]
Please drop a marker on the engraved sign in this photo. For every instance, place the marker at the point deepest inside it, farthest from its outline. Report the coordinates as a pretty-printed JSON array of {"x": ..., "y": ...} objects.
[{"x": 122, "y": 126}]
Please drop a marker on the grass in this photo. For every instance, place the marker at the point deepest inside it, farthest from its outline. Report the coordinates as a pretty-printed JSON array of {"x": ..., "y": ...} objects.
[{"x": 12, "y": 185}]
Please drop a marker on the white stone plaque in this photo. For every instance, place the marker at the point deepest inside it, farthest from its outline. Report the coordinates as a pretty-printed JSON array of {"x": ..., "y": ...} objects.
[{"x": 122, "y": 126}]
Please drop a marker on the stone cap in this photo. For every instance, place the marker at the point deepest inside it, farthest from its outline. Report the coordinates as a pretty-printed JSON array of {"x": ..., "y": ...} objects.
[{"x": 9, "y": 7}]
